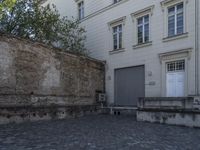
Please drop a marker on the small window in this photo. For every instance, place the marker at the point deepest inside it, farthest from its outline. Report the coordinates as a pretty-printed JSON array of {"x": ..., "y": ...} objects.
[
  {"x": 81, "y": 10},
  {"x": 175, "y": 20},
  {"x": 116, "y": 1},
  {"x": 117, "y": 37},
  {"x": 143, "y": 29},
  {"x": 176, "y": 66}
]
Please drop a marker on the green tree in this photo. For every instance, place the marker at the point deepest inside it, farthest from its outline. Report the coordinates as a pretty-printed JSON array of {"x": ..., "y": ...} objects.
[
  {"x": 6, "y": 5},
  {"x": 28, "y": 19}
]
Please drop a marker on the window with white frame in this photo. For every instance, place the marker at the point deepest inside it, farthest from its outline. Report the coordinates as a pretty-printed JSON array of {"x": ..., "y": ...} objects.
[
  {"x": 81, "y": 10},
  {"x": 176, "y": 66},
  {"x": 117, "y": 37},
  {"x": 143, "y": 29},
  {"x": 176, "y": 20},
  {"x": 116, "y": 1}
]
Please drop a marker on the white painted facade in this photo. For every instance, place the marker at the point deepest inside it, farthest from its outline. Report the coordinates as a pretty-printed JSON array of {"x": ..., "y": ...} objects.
[{"x": 100, "y": 15}]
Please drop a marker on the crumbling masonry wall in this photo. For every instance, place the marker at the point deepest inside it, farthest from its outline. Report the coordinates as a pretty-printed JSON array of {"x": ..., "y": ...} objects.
[{"x": 38, "y": 82}]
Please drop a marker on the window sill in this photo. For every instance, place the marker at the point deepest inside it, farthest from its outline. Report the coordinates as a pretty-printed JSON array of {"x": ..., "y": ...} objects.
[
  {"x": 116, "y": 51},
  {"x": 176, "y": 37},
  {"x": 142, "y": 45}
]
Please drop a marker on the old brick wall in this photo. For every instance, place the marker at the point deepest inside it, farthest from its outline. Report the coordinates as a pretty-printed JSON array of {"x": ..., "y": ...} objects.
[{"x": 33, "y": 75}]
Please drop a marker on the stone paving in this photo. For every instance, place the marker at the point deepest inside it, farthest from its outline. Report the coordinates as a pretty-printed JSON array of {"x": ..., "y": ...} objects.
[{"x": 102, "y": 132}]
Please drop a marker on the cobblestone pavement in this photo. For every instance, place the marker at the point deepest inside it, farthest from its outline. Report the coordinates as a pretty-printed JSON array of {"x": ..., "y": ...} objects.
[{"x": 102, "y": 132}]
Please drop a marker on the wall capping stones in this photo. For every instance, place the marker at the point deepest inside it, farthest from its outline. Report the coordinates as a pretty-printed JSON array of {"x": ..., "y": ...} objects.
[{"x": 50, "y": 47}]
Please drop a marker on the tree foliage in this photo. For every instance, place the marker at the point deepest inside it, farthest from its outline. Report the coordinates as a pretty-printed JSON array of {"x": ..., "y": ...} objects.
[
  {"x": 28, "y": 19},
  {"x": 6, "y": 4}
]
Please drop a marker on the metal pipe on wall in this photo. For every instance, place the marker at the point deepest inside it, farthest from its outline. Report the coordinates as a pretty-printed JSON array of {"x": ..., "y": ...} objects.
[{"x": 197, "y": 47}]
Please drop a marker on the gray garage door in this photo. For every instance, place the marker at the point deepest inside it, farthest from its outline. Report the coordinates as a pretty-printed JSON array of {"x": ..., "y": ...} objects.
[{"x": 129, "y": 85}]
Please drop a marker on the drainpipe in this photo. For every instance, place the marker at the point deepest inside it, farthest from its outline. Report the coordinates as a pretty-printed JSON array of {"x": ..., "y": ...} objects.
[{"x": 197, "y": 47}]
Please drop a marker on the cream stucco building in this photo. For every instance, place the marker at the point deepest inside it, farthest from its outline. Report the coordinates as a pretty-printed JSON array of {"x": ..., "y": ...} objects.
[{"x": 151, "y": 47}]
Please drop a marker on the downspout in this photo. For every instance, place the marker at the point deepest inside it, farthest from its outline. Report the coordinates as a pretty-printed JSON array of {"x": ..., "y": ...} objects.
[{"x": 197, "y": 47}]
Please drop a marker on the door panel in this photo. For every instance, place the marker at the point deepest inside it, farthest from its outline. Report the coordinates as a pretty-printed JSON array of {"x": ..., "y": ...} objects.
[
  {"x": 171, "y": 85},
  {"x": 175, "y": 84},
  {"x": 180, "y": 84},
  {"x": 129, "y": 85}
]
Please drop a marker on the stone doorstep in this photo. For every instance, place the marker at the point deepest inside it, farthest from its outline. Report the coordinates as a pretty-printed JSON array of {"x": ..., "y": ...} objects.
[
  {"x": 166, "y": 103},
  {"x": 118, "y": 110},
  {"x": 168, "y": 110}
]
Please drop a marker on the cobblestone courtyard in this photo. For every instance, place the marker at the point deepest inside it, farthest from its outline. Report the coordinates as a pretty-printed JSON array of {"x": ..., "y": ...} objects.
[{"x": 97, "y": 133}]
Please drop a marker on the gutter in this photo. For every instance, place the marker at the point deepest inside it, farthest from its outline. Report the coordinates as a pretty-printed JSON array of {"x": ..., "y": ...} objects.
[{"x": 197, "y": 47}]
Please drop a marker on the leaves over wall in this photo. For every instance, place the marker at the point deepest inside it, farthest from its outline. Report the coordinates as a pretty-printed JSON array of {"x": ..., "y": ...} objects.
[{"x": 28, "y": 19}]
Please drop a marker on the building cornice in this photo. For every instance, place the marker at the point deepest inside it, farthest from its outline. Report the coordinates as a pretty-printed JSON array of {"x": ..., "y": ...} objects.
[
  {"x": 117, "y": 21},
  {"x": 176, "y": 54},
  {"x": 171, "y": 2},
  {"x": 103, "y": 10},
  {"x": 147, "y": 10}
]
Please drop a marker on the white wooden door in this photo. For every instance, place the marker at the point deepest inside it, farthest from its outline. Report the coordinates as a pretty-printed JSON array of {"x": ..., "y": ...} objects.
[
  {"x": 171, "y": 85},
  {"x": 180, "y": 86},
  {"x": 175, "y": 84},
  {"x": 175, "y": 78}
]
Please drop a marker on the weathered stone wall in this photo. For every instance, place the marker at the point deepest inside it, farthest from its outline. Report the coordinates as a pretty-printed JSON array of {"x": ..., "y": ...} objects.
[
  {"x": 169, "y": 110},
  {"x": 33, "y": 75}
]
